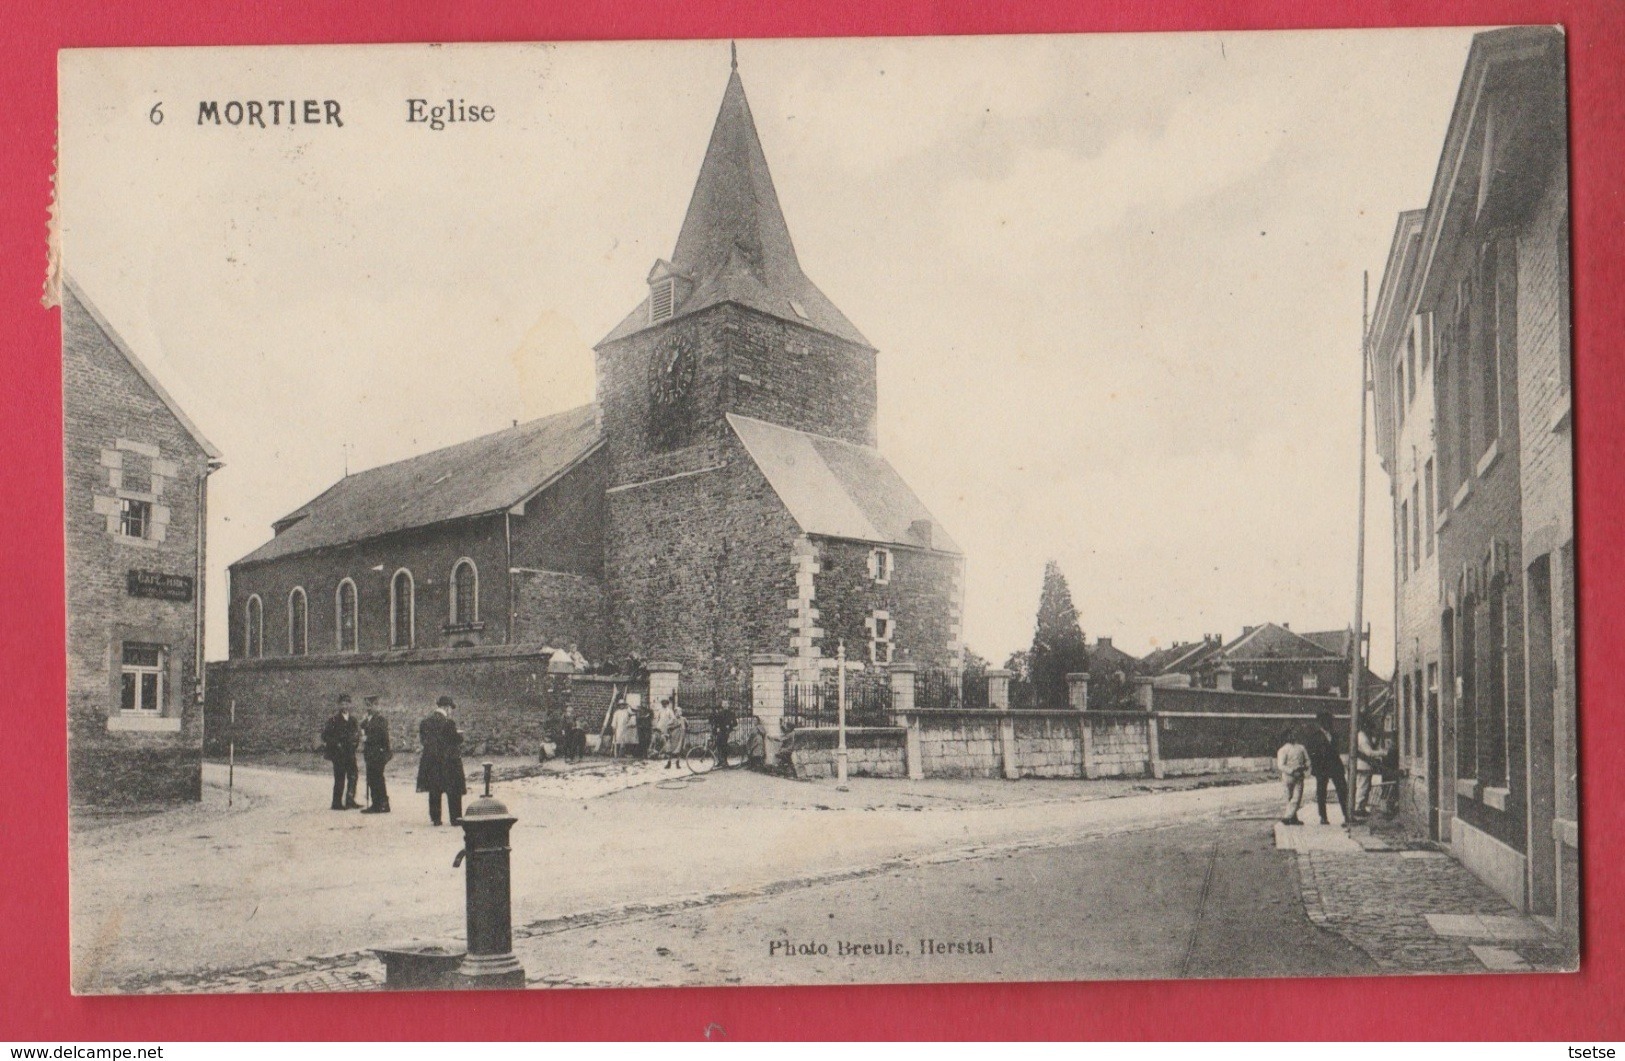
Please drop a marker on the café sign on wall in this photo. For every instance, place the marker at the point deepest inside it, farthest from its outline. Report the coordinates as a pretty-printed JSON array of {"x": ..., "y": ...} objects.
[{"x": 159, "y": 585}]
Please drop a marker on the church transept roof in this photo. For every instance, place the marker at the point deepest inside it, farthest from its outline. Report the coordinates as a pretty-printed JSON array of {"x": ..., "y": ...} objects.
[{"x": 838, "y": 489}]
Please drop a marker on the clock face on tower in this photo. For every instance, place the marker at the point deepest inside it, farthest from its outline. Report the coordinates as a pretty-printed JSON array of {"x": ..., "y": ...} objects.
[{"x": 672, "y": 371}]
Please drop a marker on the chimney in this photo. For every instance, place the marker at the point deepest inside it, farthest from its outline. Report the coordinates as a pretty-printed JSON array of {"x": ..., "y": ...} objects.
[
  {"x": 1286, "y": 626},
  {"x": 1247, "y": 630},
  {"x": 1103, "y": 642},
  {"x": 919, "y": 532}
]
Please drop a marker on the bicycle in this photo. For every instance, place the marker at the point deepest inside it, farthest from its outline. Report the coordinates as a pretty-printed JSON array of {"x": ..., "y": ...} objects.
[{"x": 744, "y": 743}]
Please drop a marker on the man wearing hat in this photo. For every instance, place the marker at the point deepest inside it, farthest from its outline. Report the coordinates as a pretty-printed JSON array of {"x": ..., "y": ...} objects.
[
  {"x": 440, "y": 770},
  {"x": 340, "y": 737},
  {"x": 376, "y": 751}
]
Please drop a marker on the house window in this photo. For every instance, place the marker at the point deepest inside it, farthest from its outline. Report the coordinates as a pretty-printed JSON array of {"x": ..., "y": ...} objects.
[
  {"x": 1416, "y": 528},
  {"x": 401, "y": 608},
  {"x": 880, "y": 565},
  {"x": 1563, "y": 354},
  {"x": 1410, "y": 367},
  {"x": 1404, "y": 538},
  {"x": 344, "y": 607},
  {"x": 1407, "y": 707},
  {"x": 465, "y": 593},
  {"x": 142, "y": 678},
  {"x": 298, "y": 622},
  {"x": 881, "y": 632},
  {"x": 135, "y": 517},
  {"x": 253, "y": 627},
  {"x": 1429, "y": 505},
  {"x": 1399, "y": 394}
]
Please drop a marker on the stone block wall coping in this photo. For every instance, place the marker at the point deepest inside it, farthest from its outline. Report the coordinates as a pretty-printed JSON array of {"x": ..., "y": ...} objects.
[
  {"x": 901, "y": 668},
  {"x": 994, "y": 713},
  {"x": 1078, "y": 676},
  {"x": 541, "y": 653},
  {"x": 770, "y": 659},
  {"x": 662, "y": 667},
  {"x": 1249, "y": 694}
]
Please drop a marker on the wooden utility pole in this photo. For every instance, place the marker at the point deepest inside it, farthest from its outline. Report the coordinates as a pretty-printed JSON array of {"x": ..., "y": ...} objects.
[{"x": 1357, "y": 652}]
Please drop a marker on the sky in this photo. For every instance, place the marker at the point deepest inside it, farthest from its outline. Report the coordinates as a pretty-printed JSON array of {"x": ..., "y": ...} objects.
[{"x": 1115, "y": 280}]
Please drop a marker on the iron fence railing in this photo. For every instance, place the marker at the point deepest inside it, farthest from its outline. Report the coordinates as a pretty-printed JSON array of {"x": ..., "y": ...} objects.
[
  {"x": 816, "y": 705},
  {"x": 937, "y": 689},
  {"x": 699, "y": 696}
]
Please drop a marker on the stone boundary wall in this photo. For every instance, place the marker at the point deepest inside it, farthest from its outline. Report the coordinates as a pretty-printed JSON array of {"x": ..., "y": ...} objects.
[
  {"x": 1047, "y": 745},
  {"x": 504, "y": 694},
  {"x": 964, "y": 743},
  {"x": 870, "y": 752}
]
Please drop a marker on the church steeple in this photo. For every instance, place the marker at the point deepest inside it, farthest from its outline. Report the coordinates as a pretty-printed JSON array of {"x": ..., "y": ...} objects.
[{"x": 734, "y": 245}]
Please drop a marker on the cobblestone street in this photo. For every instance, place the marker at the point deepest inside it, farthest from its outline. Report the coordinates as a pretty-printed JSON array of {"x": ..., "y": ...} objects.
[{"x": 1410, "y": 906}]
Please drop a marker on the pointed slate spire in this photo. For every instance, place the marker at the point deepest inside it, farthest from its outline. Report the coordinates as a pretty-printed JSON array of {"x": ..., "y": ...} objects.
[{"x": 734, "y": 245}]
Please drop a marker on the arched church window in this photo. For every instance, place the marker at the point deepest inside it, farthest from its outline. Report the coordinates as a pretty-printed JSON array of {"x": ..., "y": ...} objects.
[
  {"x": 344, "y": 607},
  {"x": 298, "y": 622},
  {"x": 401, "y": 608},
  {"x": 253, "y": 627},
  {"x": 465, "y": 593}
]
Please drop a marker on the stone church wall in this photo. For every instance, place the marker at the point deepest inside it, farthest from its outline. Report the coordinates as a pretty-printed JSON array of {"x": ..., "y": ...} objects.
[
  {"x": 429, "y": 553},
  {"x": 561, "y": 611},
  {"x": 917, "y": 599},
  {"x": 749, "y": 363},
  {"x": 699, "y": 567}
]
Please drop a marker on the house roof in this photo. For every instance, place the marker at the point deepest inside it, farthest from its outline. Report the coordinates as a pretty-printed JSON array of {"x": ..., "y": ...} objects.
[
  {"x": 484, "y": 475},
  {"x": 1335, "y": 642},
  {"x": 77, "y": 295},
  {"x": 1104, "y": 653},
  {"x": 1272, "y": 641},
  {"x": 839, "y": 489},
  {"x": 1178, "y": 658},
  {"x": 735, "y": 245}
]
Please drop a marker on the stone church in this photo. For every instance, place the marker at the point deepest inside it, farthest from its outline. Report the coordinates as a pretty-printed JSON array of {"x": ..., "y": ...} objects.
[{"x": 723, "y": 497}]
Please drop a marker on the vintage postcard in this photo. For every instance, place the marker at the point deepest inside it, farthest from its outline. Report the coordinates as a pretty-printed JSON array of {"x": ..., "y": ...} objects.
[{"x": 818, "y": 511}]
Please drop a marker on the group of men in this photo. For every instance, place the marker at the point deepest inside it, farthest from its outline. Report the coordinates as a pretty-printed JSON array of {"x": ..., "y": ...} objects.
[
  {"x": 440, "y": 769},
  {"x": 1316, "y": 752}
]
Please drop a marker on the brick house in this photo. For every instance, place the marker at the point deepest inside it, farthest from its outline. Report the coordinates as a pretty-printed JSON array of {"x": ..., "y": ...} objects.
[
  {"x": 135, "y": 493},
  {"x": 1487, "y": 293},
  {"x": 1402, "y": 359},
  {"x": 724, "y": 496}
]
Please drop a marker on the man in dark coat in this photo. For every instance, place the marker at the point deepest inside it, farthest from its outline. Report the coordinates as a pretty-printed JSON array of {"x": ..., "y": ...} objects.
[
  {"x": 1326, "y": 765},
  {"x": 340, "y": 736},
  {"x": 440, "y": 770},
  {"x": 376, "y": 752}
]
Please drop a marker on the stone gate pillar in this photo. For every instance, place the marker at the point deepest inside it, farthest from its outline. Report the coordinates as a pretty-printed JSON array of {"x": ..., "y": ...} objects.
[
  {"x": 998, "y": 689},
  {"x": 663, "y": 677},
  {"x": 1224, "y": 678},
  {"x": 902, "y": 691},
  {"x": 1077, "y": 690},
  {"x": 1143, "y": 692},
  {"x": 767, "y": 692}
]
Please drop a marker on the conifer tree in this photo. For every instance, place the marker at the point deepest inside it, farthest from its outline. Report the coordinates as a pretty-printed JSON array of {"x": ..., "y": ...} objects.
[{"x": 1059, "y": 647}]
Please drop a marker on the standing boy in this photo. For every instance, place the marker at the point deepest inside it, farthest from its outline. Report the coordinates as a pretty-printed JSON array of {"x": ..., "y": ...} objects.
[{"x": 1292, "y": 759}]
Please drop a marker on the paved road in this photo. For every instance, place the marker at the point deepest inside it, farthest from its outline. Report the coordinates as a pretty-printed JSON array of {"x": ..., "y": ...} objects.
[
  {"x": 279, "y": 877},
  {"x": 1201, "y": 900}
]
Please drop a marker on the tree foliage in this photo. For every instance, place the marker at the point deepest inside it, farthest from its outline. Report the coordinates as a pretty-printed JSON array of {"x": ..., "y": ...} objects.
[{"x": 1059, "y": 647}]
